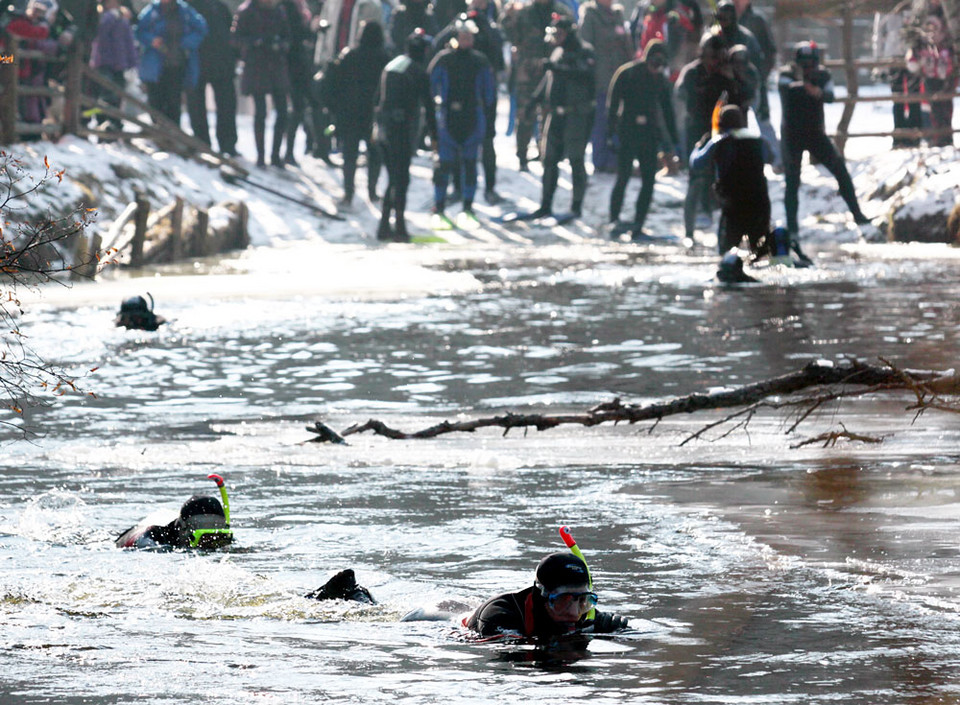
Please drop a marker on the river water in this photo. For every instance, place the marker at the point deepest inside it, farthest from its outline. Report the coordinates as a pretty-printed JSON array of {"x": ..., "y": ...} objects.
[{"x": 754, "y": 572}]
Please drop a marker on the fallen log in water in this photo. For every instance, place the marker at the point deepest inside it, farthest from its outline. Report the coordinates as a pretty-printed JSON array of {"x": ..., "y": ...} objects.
[{"x": 833, "y": 380}]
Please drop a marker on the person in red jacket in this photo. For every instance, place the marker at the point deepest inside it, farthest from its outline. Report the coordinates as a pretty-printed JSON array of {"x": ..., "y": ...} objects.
[{"x": 33, "y": 31}]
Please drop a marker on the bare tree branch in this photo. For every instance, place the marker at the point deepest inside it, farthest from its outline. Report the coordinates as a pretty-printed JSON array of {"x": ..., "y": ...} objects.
[{"x": 854, "y": 378}]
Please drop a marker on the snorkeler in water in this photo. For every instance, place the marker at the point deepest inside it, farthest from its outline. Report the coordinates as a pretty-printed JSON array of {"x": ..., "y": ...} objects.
[
  {"x": 202, "y": 522},
  {"x": 560, "y": 601}
]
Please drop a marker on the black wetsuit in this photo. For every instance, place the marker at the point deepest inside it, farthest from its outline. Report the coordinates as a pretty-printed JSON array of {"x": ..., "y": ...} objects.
[
  {"x": 404, "y": 90},
  {"x": 741, "y": 187},
  {"x": 568, "y": 91},
  {"x": 353, "y": 82},
  {"x": 637, "y": 99},
  {"x": 489, "y": 42},
  {"x": 802, "y": 129},
  {"x": 699, "y": 90},
  {"x": 525, "y": 613}
]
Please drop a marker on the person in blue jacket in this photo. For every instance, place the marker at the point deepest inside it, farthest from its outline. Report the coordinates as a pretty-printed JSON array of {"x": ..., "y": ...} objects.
[
  {"x": 169, "y": 33},
  {"x": 462, "y": 85}
]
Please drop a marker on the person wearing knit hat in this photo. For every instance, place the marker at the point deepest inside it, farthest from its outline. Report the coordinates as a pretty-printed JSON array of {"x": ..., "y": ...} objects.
[{"x": 559, "y": 602}]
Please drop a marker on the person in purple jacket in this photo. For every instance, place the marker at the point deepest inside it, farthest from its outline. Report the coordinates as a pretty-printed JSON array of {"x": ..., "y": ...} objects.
[{"x": 112, "y": 53}]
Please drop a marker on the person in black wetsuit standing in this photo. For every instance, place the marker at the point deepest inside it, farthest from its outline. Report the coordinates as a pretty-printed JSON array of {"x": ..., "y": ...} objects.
[
  {"x": 353, "y": 80},
  {"x": 557, "y": 604},
  {"x": 741, "y": 187},
  {"x": 462, "y": 85},
  {"x": 568, "y": 92},
  {"x": 404, "y": 91},
  {"x": 804, "y": 88},
  {"x": 639, "y": 95}
]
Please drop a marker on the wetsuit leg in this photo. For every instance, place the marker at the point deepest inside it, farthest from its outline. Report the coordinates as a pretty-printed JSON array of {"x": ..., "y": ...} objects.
[
  {"x": 374, "y": 162},
  {"x": 823, "y": 150},
  {"x": 403, "y": 158},
  {"x": 792, "y": 155},
  {"x": 576, "y": 137},
  {"x": 699, "y": 182},
  {"x": 279, "y": 125},
  {"x": 260, "y": 125},
  {"x": 625, "y": 158},
  {"x": 489, "y": 154},
  {"x": 524, "y": 124},
  {"x": 350, "y": 148},
  {"x": 647, "y": 157},
  {"x": 298, "y": 103},
  {"x": 725, "y": 236},
  {"x": 552, "y": 142},
  {"x": 197, "y": 110},
  {"x": 225, "y": 97},
  {"x": 448, "y": 153}
]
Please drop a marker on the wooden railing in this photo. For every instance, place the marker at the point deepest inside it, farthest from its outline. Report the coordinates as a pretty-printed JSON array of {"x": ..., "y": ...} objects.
[{"x": 77, "y": 76}]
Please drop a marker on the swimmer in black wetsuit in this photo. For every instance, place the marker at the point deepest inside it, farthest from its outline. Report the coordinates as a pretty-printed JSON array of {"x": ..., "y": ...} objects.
[
  {"x": 558, "y": 603},
  {"x": 203, "y": 522}
]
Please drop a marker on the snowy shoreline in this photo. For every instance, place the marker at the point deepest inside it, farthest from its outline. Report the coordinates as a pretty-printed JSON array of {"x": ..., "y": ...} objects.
[{"x": 921, "y": 181}]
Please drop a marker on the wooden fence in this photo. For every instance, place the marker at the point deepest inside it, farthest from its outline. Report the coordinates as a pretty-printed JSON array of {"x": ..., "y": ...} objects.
[
  {"x": 76, "y": 97},
  {"x": 851, "y": 67}
]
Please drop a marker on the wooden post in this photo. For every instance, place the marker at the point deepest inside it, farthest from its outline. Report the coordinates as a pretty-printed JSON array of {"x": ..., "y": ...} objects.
[
  {"x": 93, "y": 258},
  {"x": 199, "y": 248},
  {"x": 80, "y": 254},
  {"x": 242, "y": 240},
  {"x": 140, "y": 231},
  {"x": 73, "y": 89},
  {"x": 176, "y": 230},
  {"x": 843, "y": 127},
  {"x": 8, "y": 92}
]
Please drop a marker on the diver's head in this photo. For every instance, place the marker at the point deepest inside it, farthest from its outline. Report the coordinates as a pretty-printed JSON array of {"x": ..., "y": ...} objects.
[
  {"x": 202, "y": 523},
  {"x": 564, "y": 585}
]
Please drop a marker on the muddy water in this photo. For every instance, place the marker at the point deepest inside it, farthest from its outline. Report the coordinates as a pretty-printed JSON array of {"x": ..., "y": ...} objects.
[{"x": 755, "y": 572}]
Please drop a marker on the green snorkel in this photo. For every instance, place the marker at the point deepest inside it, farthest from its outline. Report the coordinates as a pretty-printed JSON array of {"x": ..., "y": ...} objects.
[
  {"x": 215, "y": 538},
  {"x": 223, "y": 495},
  {"x": 575, "y": 550}
]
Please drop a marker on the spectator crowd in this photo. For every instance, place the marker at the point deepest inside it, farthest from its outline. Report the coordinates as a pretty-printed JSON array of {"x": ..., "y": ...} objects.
[{"x": 643, "y": 90}]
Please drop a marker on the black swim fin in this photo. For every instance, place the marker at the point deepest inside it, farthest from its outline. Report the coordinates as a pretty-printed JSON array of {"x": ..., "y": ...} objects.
[{"x": 343, "y": 586}]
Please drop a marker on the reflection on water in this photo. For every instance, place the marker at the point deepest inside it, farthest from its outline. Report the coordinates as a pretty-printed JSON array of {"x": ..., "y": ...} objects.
[{"x": 755, "y": 572}]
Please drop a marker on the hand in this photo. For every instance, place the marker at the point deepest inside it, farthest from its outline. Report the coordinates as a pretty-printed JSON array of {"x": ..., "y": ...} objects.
[
  {"x": 157, "y": 43},
  {"x": 606, "y": 623},
  {"x": 813, "y": 91}
]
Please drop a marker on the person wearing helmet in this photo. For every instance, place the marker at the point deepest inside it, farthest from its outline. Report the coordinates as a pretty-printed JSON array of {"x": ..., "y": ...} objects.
[
  {"x": 804, "y": 88},
  {"x": 403, "y": 93},
  {"x": 639, "y": 95},
  {"x": 462, "y": 85},
  {"x": 559, "y": 602},
  {"x": 568, "y": 94}
]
